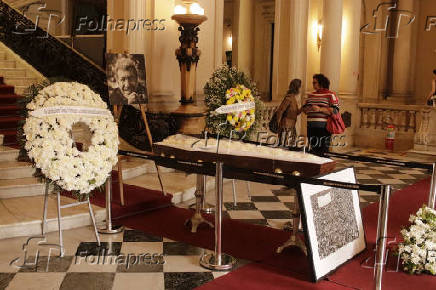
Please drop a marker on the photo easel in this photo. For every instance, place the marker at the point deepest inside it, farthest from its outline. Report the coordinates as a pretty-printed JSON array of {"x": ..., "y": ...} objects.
[{"x": 117, "y": 110}]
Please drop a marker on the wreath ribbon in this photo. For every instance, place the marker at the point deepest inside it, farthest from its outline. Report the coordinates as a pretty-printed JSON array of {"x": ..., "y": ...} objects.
[{"x": 70, "y": 110}]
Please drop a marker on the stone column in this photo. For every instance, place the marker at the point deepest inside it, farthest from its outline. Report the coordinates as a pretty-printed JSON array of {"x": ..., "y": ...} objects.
[
  {"x": 281, "y": 49},
  {"x": 404, "y": 55},
  {"x": 243, "y": 35},
  {"x": 331, "y": 41},
  {"x": 116, "y": 40},
  {"x": 136, "y": 39},
  {"x": 299, "y": 13},
  {"x": 348, "y": 84}
]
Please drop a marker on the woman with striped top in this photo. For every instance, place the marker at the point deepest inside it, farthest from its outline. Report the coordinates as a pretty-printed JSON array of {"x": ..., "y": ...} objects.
[{"x": 319, "y": 106}]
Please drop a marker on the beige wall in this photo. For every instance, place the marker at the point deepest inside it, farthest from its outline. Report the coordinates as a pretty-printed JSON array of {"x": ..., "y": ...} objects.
[
  {"x": 414, "y": 57},
  {"x": 426, "y": 51}
]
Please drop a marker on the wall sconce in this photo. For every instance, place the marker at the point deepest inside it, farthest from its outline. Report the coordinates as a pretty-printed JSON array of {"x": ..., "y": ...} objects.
[
  {"x": 189, "y": 16},
  {"x": 319, "y": 28}
]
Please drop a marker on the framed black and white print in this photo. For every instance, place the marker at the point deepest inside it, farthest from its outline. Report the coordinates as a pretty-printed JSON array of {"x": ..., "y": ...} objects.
[
  {"x": 126, "y": 78},
  {"x": 332, "y": 222}
]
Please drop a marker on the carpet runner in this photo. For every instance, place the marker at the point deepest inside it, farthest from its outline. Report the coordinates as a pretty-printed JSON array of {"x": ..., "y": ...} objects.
[
  {"x": 290, "y": 269},
  {"x": 137, "y": 200},
  {"x": 9, "y": 113}
]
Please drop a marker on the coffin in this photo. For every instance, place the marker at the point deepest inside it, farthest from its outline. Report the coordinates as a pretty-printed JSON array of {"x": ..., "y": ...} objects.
[{"x": 244, "y": 155}]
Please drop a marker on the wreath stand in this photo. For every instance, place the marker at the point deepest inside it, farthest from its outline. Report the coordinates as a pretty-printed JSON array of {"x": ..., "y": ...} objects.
[
  {"x": 60, "y": 246},
  {"x": 117, "y": 113}
]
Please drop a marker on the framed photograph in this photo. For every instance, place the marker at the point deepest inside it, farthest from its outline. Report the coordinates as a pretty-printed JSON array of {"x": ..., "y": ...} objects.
[
  {"x": 332, "y": 222},
  {"x": 126, "y": 79}
]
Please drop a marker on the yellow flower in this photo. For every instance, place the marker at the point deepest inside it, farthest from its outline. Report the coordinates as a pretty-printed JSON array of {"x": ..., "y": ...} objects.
[{"x": 229, "y": 117}]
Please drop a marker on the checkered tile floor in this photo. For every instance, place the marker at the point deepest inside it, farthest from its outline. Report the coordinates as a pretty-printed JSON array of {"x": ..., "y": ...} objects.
[
  {"x": 268, "y": 206},
  {"x": 274, "y": 207},
  {"x": 155, "y": 263}
]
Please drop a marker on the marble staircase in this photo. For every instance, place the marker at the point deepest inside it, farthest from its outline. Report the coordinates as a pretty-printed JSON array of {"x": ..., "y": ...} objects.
[
  {"x": 17, "y": 72},
  {"x": 21, "y": 194}
]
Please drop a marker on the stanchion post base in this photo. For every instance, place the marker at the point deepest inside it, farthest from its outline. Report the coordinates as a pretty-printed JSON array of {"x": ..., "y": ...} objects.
[
  {"x": 208, "y": 208},
  {"x": 208, "y": 261},
  {"x": 197, "y": 220},
  {"x": 112, "y": 230}
]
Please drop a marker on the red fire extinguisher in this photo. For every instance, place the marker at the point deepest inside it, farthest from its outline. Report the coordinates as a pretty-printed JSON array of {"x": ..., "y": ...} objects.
[{"x": 390, "y": 137}]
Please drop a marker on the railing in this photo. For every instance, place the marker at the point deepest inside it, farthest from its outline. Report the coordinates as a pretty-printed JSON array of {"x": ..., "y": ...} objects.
[
  {"x": 423, "y": 134},
  {"x": 266, "y": 115},
  {"x": 46, "y": 53},
  {"x": 405, "y": 118}
]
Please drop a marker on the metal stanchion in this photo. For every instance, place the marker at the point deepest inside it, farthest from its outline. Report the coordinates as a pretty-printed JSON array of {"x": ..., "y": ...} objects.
[
  {"x": 432, "y": 195},
  {"x": 197, "y": 218},
  {"x": 234, "y": 192},
  {"x": 218, "y": 260},
  {"x": 109, "y": 228},
  {"x": 204, "y": 206},
  {"x": 382, "y": 228}
]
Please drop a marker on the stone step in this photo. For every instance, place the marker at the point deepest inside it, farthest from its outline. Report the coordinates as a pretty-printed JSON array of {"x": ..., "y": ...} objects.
[
  {"x": 13, "y": 188},
  {"x": 179, "y": 184},
  {"x": 15, "y": 170},
  {"x": 21, "y": 90},
  {"x": 8, "y": 64},
  {"x": 20, "y": 81},
  {"x": 133, "y": 167},
  {"x": 19, "y": 181},
  {"x": 8, "y": 153},
  {"x": 17, "y": 220},
  {"x": 12, "y": 72}
]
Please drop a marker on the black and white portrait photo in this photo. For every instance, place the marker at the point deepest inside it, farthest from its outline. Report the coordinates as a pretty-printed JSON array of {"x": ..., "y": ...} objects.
[{"x": 126, "y": 79}]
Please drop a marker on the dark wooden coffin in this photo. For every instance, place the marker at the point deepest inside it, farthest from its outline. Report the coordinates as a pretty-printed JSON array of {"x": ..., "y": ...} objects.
[{"x": 260, "y": 164}]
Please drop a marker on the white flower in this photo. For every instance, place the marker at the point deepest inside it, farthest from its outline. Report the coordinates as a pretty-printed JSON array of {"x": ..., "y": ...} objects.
[{"x": 50, "y": 145}]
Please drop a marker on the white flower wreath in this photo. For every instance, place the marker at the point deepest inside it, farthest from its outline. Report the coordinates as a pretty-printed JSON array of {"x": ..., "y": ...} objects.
[{"x": 49, "y": 143}]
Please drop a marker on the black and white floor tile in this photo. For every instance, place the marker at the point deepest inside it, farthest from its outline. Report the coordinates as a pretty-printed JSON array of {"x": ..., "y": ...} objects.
[
  {"x": 268, "y": 206},
  {"x": 139, "y": 261},
  {"x": 274, "y": 207}
]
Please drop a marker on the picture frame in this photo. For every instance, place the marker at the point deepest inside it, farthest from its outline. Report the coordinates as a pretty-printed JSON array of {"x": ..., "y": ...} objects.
[
  {"x": 332, "y": 223},
  {"x": 126, "y": 79}
]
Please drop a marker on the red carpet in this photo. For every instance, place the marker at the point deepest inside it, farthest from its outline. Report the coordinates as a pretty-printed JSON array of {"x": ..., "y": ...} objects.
[
  {"x": 289, "y": 270},
  {"x": 9, "y": 113},
  {"x": 403, "y": 203},
  {"x": 137, "y": 200}
]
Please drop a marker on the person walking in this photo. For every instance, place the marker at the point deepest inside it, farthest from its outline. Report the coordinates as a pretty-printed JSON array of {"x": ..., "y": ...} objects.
[
  {"x": 287, "y": 114},
  {"x": 319, "y": 106}
]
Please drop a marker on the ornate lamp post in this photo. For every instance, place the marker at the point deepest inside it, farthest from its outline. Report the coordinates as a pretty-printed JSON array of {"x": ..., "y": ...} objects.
[
  {"x": 188, "y": 53},
  {"x": 189, "y": 16}
]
